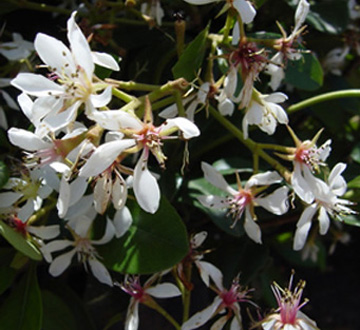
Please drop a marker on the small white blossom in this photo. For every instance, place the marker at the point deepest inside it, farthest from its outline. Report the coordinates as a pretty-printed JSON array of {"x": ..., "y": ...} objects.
[
  {"x": 245, "y": 199},
  {"x": 17, "y": 49}
]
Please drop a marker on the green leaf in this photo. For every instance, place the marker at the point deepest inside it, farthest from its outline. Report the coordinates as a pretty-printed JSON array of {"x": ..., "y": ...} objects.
[
  {"x": 7, "y": 276},
  {"x": 153, "y": 243},
  {"x": 351, "y": 220},
  {"x": 329, "y": 17},
  {"x": 354, "y": 183},
  {"x": 22, "y": 310},
  {"x": 57, "y": 315},
  {"x": 355, "y": 154},
  {"x": 19, "y": 242},
  {"x": 306, "y": 73},
  {"x": 4, "y": 174},
  {"x": 191, "y": 59}
]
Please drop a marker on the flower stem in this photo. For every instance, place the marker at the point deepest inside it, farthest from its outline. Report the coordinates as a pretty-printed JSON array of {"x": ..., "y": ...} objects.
[
  {"x": 39, "y": 6},
  {"x": 122, "y": 95},
  {"x": 154, "y": 305},
  {"x": 187, "y": 293},
  {"x": 132, "y": 85},
  {"x": 250, "y": 144},
  {"x": 323, "y": 98}
]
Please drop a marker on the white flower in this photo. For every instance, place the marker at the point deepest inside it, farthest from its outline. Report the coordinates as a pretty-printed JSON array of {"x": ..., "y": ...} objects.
[
  {"x": 143, "y": 294},
  {"x": 17, "y": 49},
  {"x": 225, "y": 300},
  {"x": 245, "y": 199},
  {"x": 74, "y": 70},
  {"x": 335, "y": 60},
  {"x": 154, "y": 10},
  {"x": 354, "y": 10},
  {"x": 83, "y": 247},
  {"x": 264, "y": 111},
  {"x": 326, "y": 202},
  {"x": 243, "y": 7},
  {"x": 148, "y": 138},
  {"x": 288, "y": 315},
  {"x": 285, "y": 46}
]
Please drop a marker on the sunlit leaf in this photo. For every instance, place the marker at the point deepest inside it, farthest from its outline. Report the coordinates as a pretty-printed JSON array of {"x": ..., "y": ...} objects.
[
  {"x": 19, "y": 242},
  {"x": 191, "y": 59}
]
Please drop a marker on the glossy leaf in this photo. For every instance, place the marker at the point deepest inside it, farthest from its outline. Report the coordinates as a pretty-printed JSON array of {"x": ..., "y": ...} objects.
[
  {"x": 191, "y": 59},
  {"x": 305, "y": 73},
  {"x": 153, "y": 243},
  {"x": 22, "y": 310},
  {"x": 19, "y": 242}
]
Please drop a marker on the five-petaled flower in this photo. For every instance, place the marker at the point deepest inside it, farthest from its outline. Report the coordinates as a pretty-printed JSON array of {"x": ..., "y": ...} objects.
[{"x": 244, "y": 199}]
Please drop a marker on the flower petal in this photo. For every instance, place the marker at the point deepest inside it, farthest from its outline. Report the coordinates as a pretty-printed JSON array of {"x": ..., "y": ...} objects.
[
  {"x": 80, "y": 47},
  {"x": 277, "y": 202},
  {"x": 45, "y": 232},
  {"x": 215, "y": 178},
  {"x": 59, "y": 265},
  {"x": 261, "y": 179},
  {"x": 100, "y": 100},
  {"x": 26, "y": 140},
  {"x": 36, "y": 85},
  {"x": 212, "y": 201},
  {"x": 164, "y": 290},
  {"x": 100, "y": 271},
  {"x": 251, "y": 228},
  {"x": 187, "y": 127},
  {"x": 246, "y": 10},
  {"x": 105, "y": 60},
  {"x": 145, "y": 187},
  {"x": 122, "y": 221},
  {"x": 200, "y": 318},
  {"x": 303, "y": 227},
  {"x": 104, "y": 156},
  {"x": 207, "y": 271},
  {"x": 324, "y": 221}
]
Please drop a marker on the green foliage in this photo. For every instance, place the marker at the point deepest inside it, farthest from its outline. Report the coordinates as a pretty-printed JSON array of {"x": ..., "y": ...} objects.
[
  {"x": 22, "y": 309},
  {"x": 152, "y": 244},
  {"x": 191, "y": 59},
  {"x": 4, "y": 174},
  {"x": 19, "y": 242},
  {"x": 305, "y": 73}
]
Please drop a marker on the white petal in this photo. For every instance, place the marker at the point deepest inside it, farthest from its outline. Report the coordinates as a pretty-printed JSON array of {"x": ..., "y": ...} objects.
[
  {"x": 36, "y": 85},
  {"x": 60, "y": 263},
  {"x": 198, "y": 239},
  {"x": 7, "y": 199},
  {"x": 27, "y": 140},
  {"x": 254, "y": 113},
  {"x": 104, "y": 156},
  {"x": 62, "y": 119},
  {"x": 219, "y": 324},
  {"x": 27, "y": 210},
  {"x": 187, "y": 127},
  {"x": 164, "y": 290},
  {"x": 276, "y": 97},
  {"x": 105, "y": 60},
  {"x": 55, "y": 54},
  {"x": 169, "y": 112},
  {"x": 215, "y": 178},
  {"x": 236, "y": 34},
  {"x": 226, "y": 107},
  {"x": 277, "y": 202},
  {"x": 251, "y": 228},
  {"x": 300, "y": 185},
  {"x": 145, "y": 187},
  {"x": 45, "y": 232},
  {"x": 100, "y": 271},
  {"x": 102, "y": 194},
  {"x": 119, "y": 193},
  {"x": 122, "y": 221},
  {"x": 207, "y": 271},
  {"x": 246, "y": 10},
  {"x": 100, "y": 100},
  {"x": 108, "y": 235},
  {"x": 336, "y": 182},
  {"x": 64, "y": 198},
  {"x": 303, "y": 227},
  {"x": 300, "y": 15},
  {"x": 324, "y": 221},
  {"x": 80, "y": 47},
  {"x": 202, "y": 317},
  {"x": 77, "y": 190},
  {"x": 132, "y": 315},
  {"x": 116, "y": 120},
  {"x": 266, "y": 178}
]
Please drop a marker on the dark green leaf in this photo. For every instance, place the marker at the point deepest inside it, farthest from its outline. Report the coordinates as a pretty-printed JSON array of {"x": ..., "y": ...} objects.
[
  {"x": 22, "y": 310},
  {"x": 351, "y": 220},
  {"x": 19, "y": 242},
  {"x": 4, "y": 174},
  {"x": 153, "y": 243},
  {"x": 329, "y": 17},
  {"x": 355, "y": 154},
  {"x": 7, "y": 276},
  {"x": 191, "y": 59},
  {"x": 355, "y": 183},
  {"x": 57, "y": 315},
  {"x": 305, "y": 73}
]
